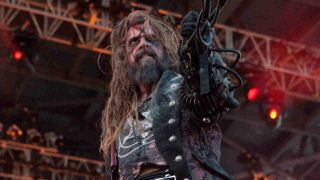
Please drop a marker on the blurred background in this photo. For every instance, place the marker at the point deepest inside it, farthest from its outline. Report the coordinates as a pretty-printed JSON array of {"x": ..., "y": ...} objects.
[{"x": 52, "y": 90}]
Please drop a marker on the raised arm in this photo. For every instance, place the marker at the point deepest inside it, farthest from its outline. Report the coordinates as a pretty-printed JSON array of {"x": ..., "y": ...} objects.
[{"x": 207, "y": 91}]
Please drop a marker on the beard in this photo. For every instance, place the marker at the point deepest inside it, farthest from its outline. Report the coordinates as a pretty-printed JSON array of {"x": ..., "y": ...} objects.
[{"x": 148, "y": 70}]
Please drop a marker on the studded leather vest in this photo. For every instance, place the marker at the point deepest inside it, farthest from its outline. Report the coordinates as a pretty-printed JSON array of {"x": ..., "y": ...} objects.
[
  {"x": 190, "y": 147},
  {"x": 136, "y": 146}
]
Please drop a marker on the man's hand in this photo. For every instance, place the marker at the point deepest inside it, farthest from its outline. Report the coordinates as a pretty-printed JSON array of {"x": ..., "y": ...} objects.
[
  {"x": 188, "y": 24},
  {"x": 197, "y": 33}
]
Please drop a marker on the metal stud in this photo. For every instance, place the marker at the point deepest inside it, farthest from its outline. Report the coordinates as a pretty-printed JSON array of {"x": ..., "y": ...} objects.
[
  {"x": 206, "y": 120},
  {"x": 172, "y": 138},
  {"x": 171, "y": 121},
  {"x": 173, "y": 86},
  {"x": 178, "y": 158},
  {"x": 171, "y": 103}
]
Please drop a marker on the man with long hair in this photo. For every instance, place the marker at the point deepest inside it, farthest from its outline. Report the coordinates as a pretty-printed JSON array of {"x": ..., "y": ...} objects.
[{"x": 146, "y": 131}]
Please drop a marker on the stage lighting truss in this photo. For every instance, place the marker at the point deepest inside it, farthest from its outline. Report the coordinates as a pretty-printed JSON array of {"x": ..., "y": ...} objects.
[
  {"x": 27, "y": 161},
  {"x": 294, "y": 68}
]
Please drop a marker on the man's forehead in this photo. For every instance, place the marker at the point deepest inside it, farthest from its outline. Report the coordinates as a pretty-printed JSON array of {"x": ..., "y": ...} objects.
[{"x": 139, "y": 29}]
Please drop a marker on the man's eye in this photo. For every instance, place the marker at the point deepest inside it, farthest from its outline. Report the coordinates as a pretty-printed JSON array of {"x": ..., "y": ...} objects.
[
  {"x": 133, "y": 41},
  {"x": 151, "y": 39}
]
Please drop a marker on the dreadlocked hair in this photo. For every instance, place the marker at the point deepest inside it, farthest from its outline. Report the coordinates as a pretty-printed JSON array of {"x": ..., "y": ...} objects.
[{"x": 124, "y": 93}]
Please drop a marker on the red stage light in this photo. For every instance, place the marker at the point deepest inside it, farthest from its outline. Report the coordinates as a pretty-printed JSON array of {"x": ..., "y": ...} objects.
[
  {"x": 253, "y": 94},
  {"x": 17, "y": 55},
  {"x": 273, "y": 113}
]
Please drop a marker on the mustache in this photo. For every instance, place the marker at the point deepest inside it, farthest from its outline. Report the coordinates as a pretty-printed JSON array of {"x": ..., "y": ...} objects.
[{"x": 144, "y": 51}]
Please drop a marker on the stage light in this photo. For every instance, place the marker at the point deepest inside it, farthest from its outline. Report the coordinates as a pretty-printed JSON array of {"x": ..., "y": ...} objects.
[
  {"x": 14, "y": 132},
  {"x": 53, "y": 140},
  {"x": 17, "y": 55},
  {"x": 34, "y": 136},
  {"x": 273, "y": 113},
  {"x": 23, "y": 49},
  {"x": 253, "y": 94}
]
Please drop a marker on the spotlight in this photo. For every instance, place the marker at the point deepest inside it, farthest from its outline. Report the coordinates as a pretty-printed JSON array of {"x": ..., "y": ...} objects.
[
  {"x": 253, "y": 94},
  {"x": 14, "y": 132},
  {"x": 34, "y": 136},
  {"x": 24, "y": 45},
  {"x": 17, "y": 55},
  {"x": 272, "y": 114},
  {"x": 271, "y": 104},
  {"x": 53, "y": 140}
]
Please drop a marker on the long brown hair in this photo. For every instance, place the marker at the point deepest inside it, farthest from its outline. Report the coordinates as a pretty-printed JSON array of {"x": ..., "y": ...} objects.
[{"x": 123, "y": 99}]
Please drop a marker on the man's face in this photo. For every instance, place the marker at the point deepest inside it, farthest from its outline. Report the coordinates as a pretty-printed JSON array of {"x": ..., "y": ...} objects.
[
  {"x": 145, "y": 54},
  {"x": 142, "y": 46}
]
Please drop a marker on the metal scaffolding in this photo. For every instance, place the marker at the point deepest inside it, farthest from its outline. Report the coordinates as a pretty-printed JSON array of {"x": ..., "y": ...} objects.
[
  {"x": 26, "y": 161},
  {"x": 292, "y": 68},
  {"x": 295, "y": 158}
]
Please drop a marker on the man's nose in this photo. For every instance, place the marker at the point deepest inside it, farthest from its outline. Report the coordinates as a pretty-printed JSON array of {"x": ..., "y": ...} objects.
[{"x": 144, "y": 43}]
